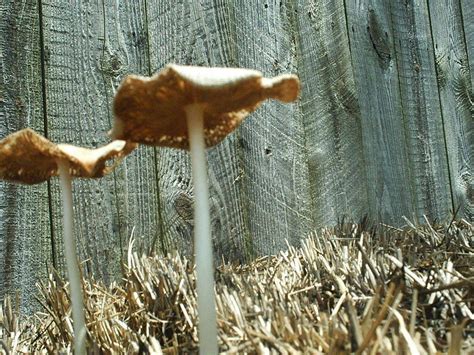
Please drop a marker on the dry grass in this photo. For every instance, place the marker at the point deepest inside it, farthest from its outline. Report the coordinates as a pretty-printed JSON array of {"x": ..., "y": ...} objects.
[{"x": 346, "y": 290}]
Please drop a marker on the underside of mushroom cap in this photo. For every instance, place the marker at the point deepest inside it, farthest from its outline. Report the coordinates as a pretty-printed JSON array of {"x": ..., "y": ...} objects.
[
  {"x": 29, "y": 158},
  {"x": 151, "y": 110},
  {"x": 92, "y": 163}
]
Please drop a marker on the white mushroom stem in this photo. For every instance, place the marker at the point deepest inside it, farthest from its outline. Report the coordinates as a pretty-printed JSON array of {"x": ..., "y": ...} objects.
[
  {"x": 74, "y": 274},
  {"x": 207, "y": 325}
]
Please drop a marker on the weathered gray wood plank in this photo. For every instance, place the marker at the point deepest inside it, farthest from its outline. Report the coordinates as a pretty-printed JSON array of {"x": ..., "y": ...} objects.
[
  {"x": 198, "y": 33},
  {"x": 125, "y": 51},
  {"x": 89, "y": 46},
  {"x": 389, "y": 177},
  {"x": 331, "y": 114},
  {"x": 421, "y": 109},
  {"x": 25, "y": 245},
  {"x": 455, "y": 90},
  {"x": 272, "y": 143},
  {"x": 468, "y": 27}
]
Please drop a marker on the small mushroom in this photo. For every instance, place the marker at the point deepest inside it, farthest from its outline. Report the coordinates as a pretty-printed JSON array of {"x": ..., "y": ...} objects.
[
  {"x": 194, "y": 108},
  {"x": 27, "y": 157}
]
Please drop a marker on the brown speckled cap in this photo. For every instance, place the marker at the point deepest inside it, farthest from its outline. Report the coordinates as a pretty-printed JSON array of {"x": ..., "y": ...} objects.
[
  {"x": 29, "y": 158},
  {"x": 151, "y": 110}
]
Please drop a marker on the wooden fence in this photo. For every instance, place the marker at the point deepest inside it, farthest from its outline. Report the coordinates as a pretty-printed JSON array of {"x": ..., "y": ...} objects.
[{"x": 383, "y": 128}]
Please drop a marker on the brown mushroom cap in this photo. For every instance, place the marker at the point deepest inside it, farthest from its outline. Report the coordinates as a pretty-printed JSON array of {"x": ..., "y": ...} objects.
[
  {"x": 151, "y": 110},
  {"x": 29, "y": 158}
]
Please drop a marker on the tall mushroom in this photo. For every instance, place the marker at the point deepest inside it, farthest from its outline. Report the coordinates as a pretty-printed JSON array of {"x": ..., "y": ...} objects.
[
  {"x": 194, "y": 108},
  {"x": 27, "y": 157}
]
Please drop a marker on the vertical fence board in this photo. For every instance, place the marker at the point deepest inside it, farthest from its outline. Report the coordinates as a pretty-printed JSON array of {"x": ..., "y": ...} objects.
[
  {"x": 468, "y": 26},
  {"x": 421, "y": 110},
  {"x": 188, "y": 32},
  {"x": 385, "y": 143},
  {"x": 25, "y": 247},
  {"x": 332, "y": 118},
  {"x": 454, "y": 81},
  {"x": 124, "y": 52},
  {"x": 272, "y": 151},
  {"x": 88, "y": 46}
]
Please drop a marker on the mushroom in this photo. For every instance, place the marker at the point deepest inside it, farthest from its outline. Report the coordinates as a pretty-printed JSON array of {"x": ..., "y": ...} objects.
[
  {"x": 27, "y": 157},
  {"x": 194, "y": 108}
]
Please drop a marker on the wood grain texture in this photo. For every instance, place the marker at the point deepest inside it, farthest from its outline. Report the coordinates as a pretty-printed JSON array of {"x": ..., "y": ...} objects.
[
  {"x": 455, "y": 91},
  {"x": 390, "y": 180},
  {"x": 331, "y": 113},
  {"x": 124, "y": 52},
  {"x": 25, "y": 244},
  {"x": 421, "y": 110},
  {"x": 272, "y": 151},
  {"x": 198, "y": 33},
  {"x": 468, "y": 28},
  {"x": 89, "y": 46}
]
